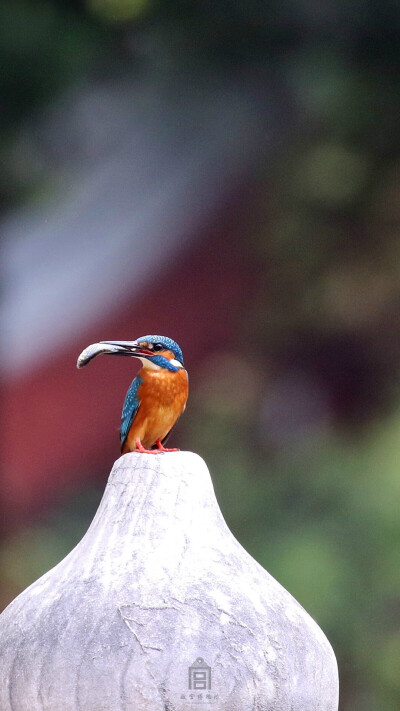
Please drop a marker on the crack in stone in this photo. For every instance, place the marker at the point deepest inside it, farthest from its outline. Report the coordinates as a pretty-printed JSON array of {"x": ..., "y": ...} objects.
[{"x": 143, "y": 647}]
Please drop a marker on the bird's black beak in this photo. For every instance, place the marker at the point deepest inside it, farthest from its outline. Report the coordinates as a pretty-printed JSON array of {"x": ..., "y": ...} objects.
[{"x": 128, "y": 348}]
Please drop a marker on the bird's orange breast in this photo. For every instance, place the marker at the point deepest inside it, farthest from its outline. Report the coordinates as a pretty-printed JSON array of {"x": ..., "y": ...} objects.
[{"x": 162, "y": 396}]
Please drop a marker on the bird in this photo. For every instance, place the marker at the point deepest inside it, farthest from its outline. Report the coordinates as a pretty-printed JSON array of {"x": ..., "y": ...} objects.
[{"x": 157, "y": 395}]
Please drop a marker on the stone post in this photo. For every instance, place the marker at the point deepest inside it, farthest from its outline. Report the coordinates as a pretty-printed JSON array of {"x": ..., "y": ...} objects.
[{"x": 159, "y": 608}]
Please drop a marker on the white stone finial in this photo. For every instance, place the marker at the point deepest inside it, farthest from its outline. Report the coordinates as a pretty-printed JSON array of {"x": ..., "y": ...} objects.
[{"x": 159, "y": 608}]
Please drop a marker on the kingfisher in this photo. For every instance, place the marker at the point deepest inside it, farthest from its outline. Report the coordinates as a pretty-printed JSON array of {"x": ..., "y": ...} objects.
[{"x": 156, "y": 397}]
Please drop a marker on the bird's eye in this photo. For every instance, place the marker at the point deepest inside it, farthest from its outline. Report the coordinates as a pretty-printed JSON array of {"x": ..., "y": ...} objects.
[{"x": 158, "y": 347}]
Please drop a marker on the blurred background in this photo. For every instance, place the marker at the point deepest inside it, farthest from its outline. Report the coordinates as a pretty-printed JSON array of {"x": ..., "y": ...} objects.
[{"x": 226, "y": 173}]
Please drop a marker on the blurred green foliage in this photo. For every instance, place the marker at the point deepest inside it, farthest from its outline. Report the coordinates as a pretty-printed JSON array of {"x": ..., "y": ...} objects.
[
  {"x": 119, "y": 10},
  {"x": 44, "y": 46},
  {"x": 309, "y": 481}
]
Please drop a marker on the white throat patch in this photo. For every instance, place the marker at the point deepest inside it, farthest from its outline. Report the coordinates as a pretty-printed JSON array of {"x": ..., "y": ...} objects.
[{"x": 147, "y": 363}]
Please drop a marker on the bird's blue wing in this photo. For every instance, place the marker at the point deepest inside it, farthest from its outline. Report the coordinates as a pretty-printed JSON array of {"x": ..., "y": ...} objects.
[{"x": 130, "y": 408}]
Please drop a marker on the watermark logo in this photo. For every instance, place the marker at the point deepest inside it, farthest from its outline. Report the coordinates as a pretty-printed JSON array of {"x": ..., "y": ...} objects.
[
  {"x": 199, "y": 675},
  {"x": 199, "y": 683}
]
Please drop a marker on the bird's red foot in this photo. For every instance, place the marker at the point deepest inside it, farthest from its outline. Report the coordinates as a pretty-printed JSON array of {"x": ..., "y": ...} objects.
[
  {"x": 161, "y": 448},
  {"x": 142, "y": 450}
]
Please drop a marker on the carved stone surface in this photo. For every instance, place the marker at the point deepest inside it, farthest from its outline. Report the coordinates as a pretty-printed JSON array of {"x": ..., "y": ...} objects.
[{"x": 159, "y": 597}]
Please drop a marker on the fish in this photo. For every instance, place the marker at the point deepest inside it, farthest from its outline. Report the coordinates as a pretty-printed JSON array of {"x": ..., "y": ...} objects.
[{"x": 94, "y": 350}]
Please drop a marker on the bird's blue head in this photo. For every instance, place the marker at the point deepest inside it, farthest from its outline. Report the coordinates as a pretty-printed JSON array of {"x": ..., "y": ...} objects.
[
  {"x": 162, "y": 351},
  {"x": 154, "y": 351}
]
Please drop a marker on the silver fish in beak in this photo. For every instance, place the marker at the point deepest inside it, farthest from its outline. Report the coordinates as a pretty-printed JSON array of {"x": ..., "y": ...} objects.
[
  {"x": 123, "y": 348},
  {"x": 94, "y": 350}
]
